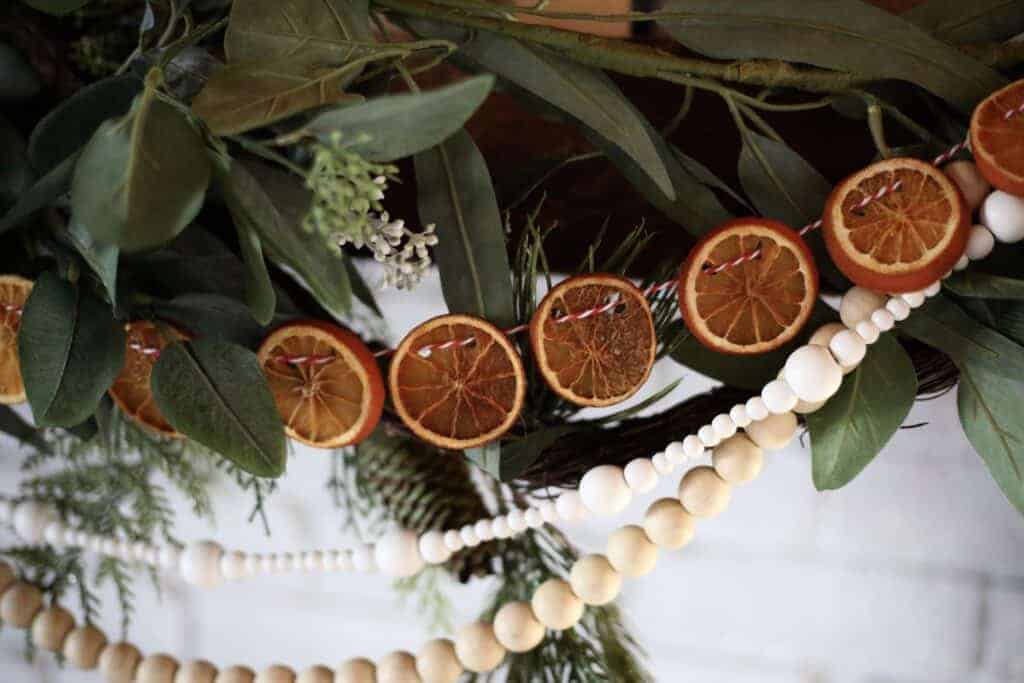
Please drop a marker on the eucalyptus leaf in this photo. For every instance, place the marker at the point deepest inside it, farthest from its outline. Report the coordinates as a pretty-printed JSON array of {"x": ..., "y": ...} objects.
[
  {"x": 992, "y": 416},
  {"x": 853, "y": 426},
  {"x": 245, "y": 204},
  {"x": 402, "y": 125},
  {"x": 975, "y": 283},
  {"x": 71, "y": 349},
  {"x": 977, "y": 21},
  {"x": 214, "y": 316},
  {"x": 68, "y": 127},
  {"x": 454, "y": 192},
  {"x": 102, "y": 258},
  {"x": 57, "y": 7},
  {"x": 141, "y": 179},
  {"x": 42, "y": 193},
  {"x": 18, "y": 79},
  {"x": 847, "y": 35},
  {"x": 215, "y": 393},
  {"x": 360, "y": 289},
  {"x": 517, "y": 455},
  {"x": 486, "y": 458},
  {"x": 15, "y": 426},
  {"x": 15, "y": 174}
]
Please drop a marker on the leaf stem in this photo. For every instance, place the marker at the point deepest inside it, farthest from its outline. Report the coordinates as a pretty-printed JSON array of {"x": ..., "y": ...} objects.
[{"x": 262, "y": 150}]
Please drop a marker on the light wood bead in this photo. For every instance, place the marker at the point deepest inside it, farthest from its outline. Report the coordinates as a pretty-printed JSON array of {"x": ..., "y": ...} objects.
[
  {"x": 316, "y": 674},
  {"x": 703, "y": 493},
  {"x": 477, "y": 647},
  {"x": 158, "y": 668},
  {"x": 972, "y": 185},
  {"x": 50, "y": 627},
  {"x": 668, "y": 524},
  {"x": 738, "y": 459},
  {"x": 397, "y": 667},
  {"x": 356, "y": 670},
  {"x": 199, "y": 671},
  {"x": 83, "y": 645},
  {"x": 7, "y": 577},
  {"x": 118, "y": 662},
  {"x": 436, "y": 662},
  {"x": 595, "y": 580},
  {"x": 556, "y": 606},
  {"x": 773, "y": 432},
  {"x": 276, "y": 673},
  {"x": 237, "y": 674},
  {"x": 631, "y": 552},
  {"x": 20, "y": 604},
  {"x": 516, "y": 627}
]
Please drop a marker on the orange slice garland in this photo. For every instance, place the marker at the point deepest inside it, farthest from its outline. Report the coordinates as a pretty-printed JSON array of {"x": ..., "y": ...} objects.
[
  {"x": 997, "y": 138},
  {"x": 460, "y": 395},
  {"x": 896, "y": 238},
  {"x": 130, "y": 390},
  {"x": 757, "y": 303},
  {"x": 597, "y": 359},
  {"x": 325, "y": 382},
  {"x": 14, "y": 291}
]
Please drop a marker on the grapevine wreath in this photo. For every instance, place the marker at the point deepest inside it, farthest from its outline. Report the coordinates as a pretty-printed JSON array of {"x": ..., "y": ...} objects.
[{"x": 187, "y": 187}]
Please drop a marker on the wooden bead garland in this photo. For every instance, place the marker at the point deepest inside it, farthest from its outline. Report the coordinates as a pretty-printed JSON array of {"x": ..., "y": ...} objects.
[
  {"x": 276, "y": 673},
  {"x": 202, "y": 671},
  {"x": 703, "y": 493},
  {"x": 83, "y": 645},
  {"x": 668, "y": 524},
  {"x": 118, "y": 662},
  {"x": 7, "y": 577},
  {"x": 50, "y": 627},
  {"x": 356, "y": 670},
  {"x": 316, "y": 674},
  {"x": 857, "y": 305},
  {"x": 158, "y": 668},
  {"x": 738, "y": 459},
  {"x": 556, "y": 605},
  {"x": 516, "y": 627},
  {"x": 774, "y": 432},
  {"x": 631, "y": 552},
  {"x": 436, "y": 662},
  {"x": 477, "y": 647},
  {"x": 237, "y": 674},
  {"x": 397, "y": 667},
  {"x": 595, "y": 580},
  {"x": 20, "y": 604}
]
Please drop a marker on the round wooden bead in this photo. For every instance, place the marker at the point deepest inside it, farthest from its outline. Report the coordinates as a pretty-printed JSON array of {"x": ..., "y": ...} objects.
[
  {"x": 883, "y": 319},
  {"x": 631, "y": 552},
  {"x": 453, "y": 541},
  {"x": 806, "y": 407},
  {"x": 50, "y": 627},
  {"x": 756, "y": 408},
  {"x": 1003, "y": 214},
  {"x": 738, "y": 460},
  {"x": 158, "y": 668},
  {"x": 640, "y": 475},
  {"x": 241, "y": 674},
  {"x": 202, "y": 671},
  {"x": 356, "y": 670},
  {"x": 555, "y": 605},
  {"x": 397, "y": 553},
  {"x": 604, "y": 490},
  {"x": 739, "y": 415},
  {"x": 703, "y": 493},
  {"x": 980, "y": 243},
  {"x": 7, "y": 577},
  {"x": 83, "y": 645},
  {"x": 516, "y": 627},
  {"x": 723, "y": 425},
  {"x": 972, "y": 184},
  {"x": 570, "y": 507},
  {"x": 813, "y": 373},
  {"x": 31, "y": 519},
  {"x": 433, "y": 548},
  {"x": 484, "y": 530},
  {"x": 899, "y": 308},
  {"x": 778, "y": 396},
  {"x": 477, "y": 647},
  {"x": 20, "y": 604},
  {"x": 667, "y": 523},
  {"x": 774, "y": 432},
  {"x": 857, "y": 305},
  {"x": 595, "y": 580},
  {"x": 118, "y": 662},
  {"x": 316, "y": 674},
  {"x": 823, "y": 335},
  {"x": 233, "y": 565},
  {"x": 501, "y": 527},
  {"x": 848, "y": 349},
  {"x": 436, "y": 662},
  {"x": 397, "y": 667},
  {"x": 199, "y": 564},
  {"x": 276, "y": 673}
]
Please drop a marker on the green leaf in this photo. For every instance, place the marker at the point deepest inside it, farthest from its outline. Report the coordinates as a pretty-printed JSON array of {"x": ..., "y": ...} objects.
[
  {"x": 517, "y": 455},
  {"x": 977, "y": 284},
  {"x": 246, "y": 206},
  {"x": 18, "y": 79},
  {"x": 275, "y": 203},
  {"x": 41, "y": 194},
  {"x": 249, "y": 95},
  {"x": 15, "y": 174},
  {"x": 849, "y": 431},
  {"x": 68, "y": 127},
  {"x": 57, "y": 7},
  {"x": 402, "y": 125},
  {"x": 454, "y": 191},
  {"x": 840, "y": 34},
  {"x": 212, "y": 315},
  {"x": 13, "y": 425},
  {"x": 215, "y": 393},
  {"x": 141, "y": 178},
  {"x": 71, "y": 349},
  {"x": 102, "y": 258},
  {"x": 992, "y": 415},
  {"x": 978, "y": 21},
  {"x": 361, "y": 290}
]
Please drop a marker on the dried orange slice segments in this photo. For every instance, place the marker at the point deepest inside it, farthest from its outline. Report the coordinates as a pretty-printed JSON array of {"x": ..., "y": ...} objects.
[
  {"x": 997, "y": 138},
  {"x": 130, "y": 390},
  {"x": 896, "y": 226},
  {"x": 325, "y": 381},
  {"x": 457, "y": 382},
  {"x": 748, "y": 286},
  {"x": 14, "y": 291},
  {"x": 593, "y": 339}
]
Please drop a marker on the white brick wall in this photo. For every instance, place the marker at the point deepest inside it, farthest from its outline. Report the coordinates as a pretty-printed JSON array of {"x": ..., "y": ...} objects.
[{"x": 912, "y": 574}]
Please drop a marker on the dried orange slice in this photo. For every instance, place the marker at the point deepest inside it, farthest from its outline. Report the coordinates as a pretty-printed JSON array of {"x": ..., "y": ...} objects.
[
  {"x": 593, "y": 339},
  {"x": 465, "y": 390},
  {"x": 325, "y": 382},
  {"x": 131, "y": 391},
  {"x": 896, "y": 226},
  {"x": 748, "y": 286},
  {"x": 14, "y": 291},
  {"x": 997, "y": 138}
]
